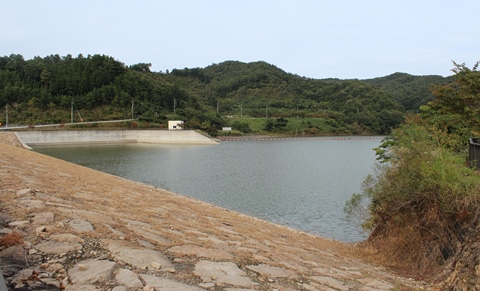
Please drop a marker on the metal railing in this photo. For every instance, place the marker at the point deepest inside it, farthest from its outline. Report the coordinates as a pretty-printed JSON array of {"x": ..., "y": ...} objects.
[{"x": 474, "y": 152}]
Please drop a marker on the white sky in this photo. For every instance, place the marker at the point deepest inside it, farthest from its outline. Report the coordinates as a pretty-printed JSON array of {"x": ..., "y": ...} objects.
[{"x": 312, "y": 38}]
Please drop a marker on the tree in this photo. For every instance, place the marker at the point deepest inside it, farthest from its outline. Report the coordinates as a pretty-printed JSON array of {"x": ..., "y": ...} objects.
[
  {"x": 423, "y": 202},
  {"x": 141, "y": 67},
  {"x": 456, "y": 107},
  {"x": 45, "y": 77}
]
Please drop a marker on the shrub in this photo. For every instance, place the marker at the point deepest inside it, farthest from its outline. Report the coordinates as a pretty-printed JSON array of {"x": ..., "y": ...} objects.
[{"x": 420, "y": 204}]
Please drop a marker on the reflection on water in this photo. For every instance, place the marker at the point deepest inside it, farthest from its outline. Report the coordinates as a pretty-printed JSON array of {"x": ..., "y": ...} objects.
[{"x": 299, "y": 183}]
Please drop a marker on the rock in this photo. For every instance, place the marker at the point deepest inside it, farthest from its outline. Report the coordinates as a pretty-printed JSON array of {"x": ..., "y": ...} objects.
[
  {"x": 166, "y": 284},
  {"x": 66, "y": 237},
  {"x": 40, "y": 229},
  {"x": 270, "y": 271},
  {"x": 128, "y": 278},
  {"x": 331, "y": 282},
  {"x": 4, "y": 231},
  {"x": 43, "y": 218},
  {"x": 32, "y": 204},
  {"x": 222, "y": 273},
  {"x": 52, "y": 282},
  {"x": 5, "y": 218},
  {"x": 114, "y": 231},
  {"x": 150, "y": 234},
  {"x": 23, "y": 192},
  {"x": 82, "y": 267},
  {"x": 120, "y": 288},
  {"x": 140, "y": 258},
  {"x": 213, "y": 254},
  {"x": 57, "y": 248},
  {"x": 21, "y": 277},
  {"x": 97, "y": 271},
  {"x": 81, "y": 225},
  {"x": 376, "y": 284},
  {"x": 19, "y": 224},
  {"x": 81, "y": 288},
  {"x": 145, "y": 244},
  {"x": 55, "y": 268}
]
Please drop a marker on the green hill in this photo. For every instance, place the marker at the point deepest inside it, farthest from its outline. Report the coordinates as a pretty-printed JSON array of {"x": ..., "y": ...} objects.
[
  {"x": 98, "y": 87},
  {"x": 410, "y": 91}
]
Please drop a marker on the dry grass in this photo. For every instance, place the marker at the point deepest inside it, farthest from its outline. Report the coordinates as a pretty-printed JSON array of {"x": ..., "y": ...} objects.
[{"x": 11, "y": 239}]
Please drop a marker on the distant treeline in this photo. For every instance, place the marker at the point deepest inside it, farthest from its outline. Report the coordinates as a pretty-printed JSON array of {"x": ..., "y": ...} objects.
[{"x": 98, "y": 87}]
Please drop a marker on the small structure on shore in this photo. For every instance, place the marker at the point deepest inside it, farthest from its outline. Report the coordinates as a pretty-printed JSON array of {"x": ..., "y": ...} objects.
[{"x": 175, "y": 124}]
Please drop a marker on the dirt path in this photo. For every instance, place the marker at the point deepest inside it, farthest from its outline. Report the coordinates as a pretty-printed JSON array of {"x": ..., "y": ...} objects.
[{"x": 73, "y": 220}]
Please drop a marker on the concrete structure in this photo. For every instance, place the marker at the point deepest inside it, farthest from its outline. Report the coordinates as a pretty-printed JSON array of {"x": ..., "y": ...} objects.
[
  {"x": 33, "y": 138},
  {"x": 175, "y": 125}
]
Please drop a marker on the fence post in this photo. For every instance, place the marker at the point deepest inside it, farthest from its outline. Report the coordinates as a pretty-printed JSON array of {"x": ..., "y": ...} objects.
[{"x": 474, "y": 152}]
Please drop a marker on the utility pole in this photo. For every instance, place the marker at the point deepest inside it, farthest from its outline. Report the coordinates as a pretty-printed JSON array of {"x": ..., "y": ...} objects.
[
  {"x": 266, "y": 111},
  {"x": 218, "y": 107},
  {"x": 174, "y": 105},
  {"x": 132, "y": 107},
  {"x": 241, "y": 110},
  {"x": 6, "y": 115},
  {"x": 71, "y": 113}
]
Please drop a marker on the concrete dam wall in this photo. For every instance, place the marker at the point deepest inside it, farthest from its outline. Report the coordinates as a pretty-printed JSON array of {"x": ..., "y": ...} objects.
[{"x": 33, "y": 138}]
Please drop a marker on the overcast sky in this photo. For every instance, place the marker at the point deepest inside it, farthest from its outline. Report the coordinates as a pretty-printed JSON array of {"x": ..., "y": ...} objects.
[{"x": 343, "y": 39}]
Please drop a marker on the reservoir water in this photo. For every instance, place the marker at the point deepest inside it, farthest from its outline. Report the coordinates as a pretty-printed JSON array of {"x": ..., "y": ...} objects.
[{"x": 302, "y": 184}]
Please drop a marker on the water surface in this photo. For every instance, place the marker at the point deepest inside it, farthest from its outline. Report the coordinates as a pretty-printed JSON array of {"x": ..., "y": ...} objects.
[{"x": 298, "y": 183}]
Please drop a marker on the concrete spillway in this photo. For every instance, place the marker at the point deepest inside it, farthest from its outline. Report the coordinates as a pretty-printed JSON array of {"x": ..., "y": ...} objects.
[{"x": 33, "y": 138}]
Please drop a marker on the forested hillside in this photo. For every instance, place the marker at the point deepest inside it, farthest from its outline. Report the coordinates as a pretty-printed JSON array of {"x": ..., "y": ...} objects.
[
  {"x": 410, "y": 91},
  {"x": 46, "y": 89}
]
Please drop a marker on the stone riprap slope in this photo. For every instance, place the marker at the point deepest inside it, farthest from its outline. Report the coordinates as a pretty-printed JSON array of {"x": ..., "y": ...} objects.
[{"x": 69, "y": 227}]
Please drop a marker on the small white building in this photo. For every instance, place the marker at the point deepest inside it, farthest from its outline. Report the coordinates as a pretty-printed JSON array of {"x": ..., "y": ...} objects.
[
  {"x": 175, "y": 124},
  {"x": 226, "y": 128}
]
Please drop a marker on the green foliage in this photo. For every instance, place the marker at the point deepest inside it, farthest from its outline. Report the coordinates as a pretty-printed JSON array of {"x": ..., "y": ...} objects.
[
  {"x": 255, "y": 90},
  {"x": 423, "y": 188},
  {"x": 241, "y": 126},
  {"x": 410, "y": 91}
]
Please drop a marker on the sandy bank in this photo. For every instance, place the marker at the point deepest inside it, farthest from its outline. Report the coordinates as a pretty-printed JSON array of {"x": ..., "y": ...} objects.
[{"x": 151, "y": 239}]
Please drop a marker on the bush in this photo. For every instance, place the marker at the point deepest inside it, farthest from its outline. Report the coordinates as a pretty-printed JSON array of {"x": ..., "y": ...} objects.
[{"x": 420, "y": 204}]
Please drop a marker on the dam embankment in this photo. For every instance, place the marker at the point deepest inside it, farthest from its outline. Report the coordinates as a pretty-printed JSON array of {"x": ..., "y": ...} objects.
[
  {"x": 35, "y": 138},
  {"x": 70, "y": 228}
]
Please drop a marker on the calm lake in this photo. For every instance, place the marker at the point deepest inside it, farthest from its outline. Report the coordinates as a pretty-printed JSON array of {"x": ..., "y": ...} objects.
[{"x": 302, "y": 184}]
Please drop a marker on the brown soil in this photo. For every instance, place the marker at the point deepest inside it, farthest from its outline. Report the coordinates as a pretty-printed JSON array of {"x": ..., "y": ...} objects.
[{"x": 178, "y": 219}]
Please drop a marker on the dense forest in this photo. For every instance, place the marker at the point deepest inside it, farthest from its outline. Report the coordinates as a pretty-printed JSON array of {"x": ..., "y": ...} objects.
[{"x": 46, "y": 90}]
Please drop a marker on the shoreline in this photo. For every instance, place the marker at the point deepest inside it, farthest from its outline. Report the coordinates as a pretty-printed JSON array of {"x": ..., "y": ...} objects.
[{"x": 187, "y": 243}]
